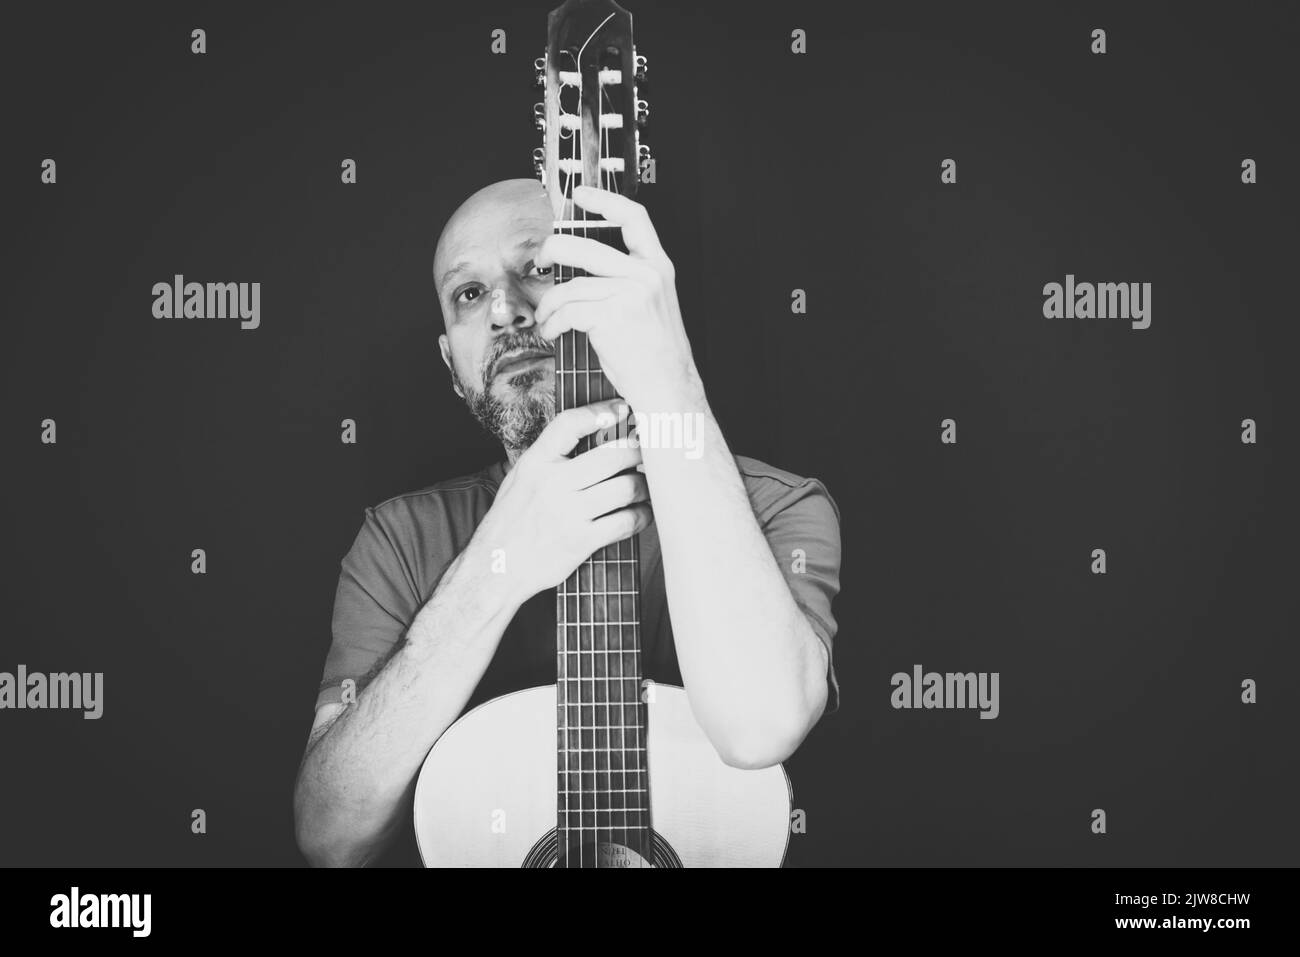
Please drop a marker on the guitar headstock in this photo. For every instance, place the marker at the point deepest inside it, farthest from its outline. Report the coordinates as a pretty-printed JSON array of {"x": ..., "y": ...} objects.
[{"x": 591, "y": 114}]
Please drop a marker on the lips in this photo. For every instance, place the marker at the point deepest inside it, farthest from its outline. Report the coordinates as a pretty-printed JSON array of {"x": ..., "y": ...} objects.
[{"x": 517, "y": 360}]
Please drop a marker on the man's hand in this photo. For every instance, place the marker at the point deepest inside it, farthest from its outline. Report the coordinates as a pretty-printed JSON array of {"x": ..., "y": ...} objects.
[
  {"x": 552, "y": 512},
  {"x": 627, "y": 305}
]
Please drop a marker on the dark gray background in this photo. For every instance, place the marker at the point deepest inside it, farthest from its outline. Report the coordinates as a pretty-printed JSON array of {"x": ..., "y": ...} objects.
[{"x": 776, "y": 171}]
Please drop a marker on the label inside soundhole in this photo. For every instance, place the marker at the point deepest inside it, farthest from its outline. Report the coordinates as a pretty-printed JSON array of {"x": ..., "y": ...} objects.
[{"x": 618, "y": 855}]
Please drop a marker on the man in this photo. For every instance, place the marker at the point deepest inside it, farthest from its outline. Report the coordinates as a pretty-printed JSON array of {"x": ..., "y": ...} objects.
[{"x": 446, "y": 597}]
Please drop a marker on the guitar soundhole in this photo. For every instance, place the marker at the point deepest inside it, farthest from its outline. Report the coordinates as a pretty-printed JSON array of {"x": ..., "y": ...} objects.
[{"x": 545, "y": 853}]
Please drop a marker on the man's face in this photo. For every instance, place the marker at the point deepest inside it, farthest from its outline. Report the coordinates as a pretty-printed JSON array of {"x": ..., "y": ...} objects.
[{"x": 488, "y": 287}]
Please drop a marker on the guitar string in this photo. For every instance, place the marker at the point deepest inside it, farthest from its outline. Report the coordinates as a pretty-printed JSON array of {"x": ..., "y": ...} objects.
[
  {"x": 581, "y": 167},
  {"x": 628, "y": 585},
  {"x": 602, "y": 177},
  {"x": 568, "y": 792},
  {"x": 644, "y": 841},
  {"x": 576, "y": 151}
]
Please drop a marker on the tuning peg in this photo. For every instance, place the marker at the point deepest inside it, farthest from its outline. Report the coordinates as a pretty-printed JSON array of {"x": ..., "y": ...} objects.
[
  {"x": 539, "y": 115},
  {"x": 539, "y": 162},
  {"x": 640, "y": 67},
  {"x": 642, "y": 112},
  {"x": 539, "y": 71},
  {"x": 642, "y": 155}
]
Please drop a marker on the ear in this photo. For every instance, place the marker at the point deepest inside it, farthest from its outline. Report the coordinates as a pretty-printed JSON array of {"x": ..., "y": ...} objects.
[{"x": 445, "y": 348}]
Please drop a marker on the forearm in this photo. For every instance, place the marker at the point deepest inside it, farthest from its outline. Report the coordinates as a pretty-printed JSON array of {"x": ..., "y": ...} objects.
[
  {"x": 355, "y": 779},
  {"x": 754, "y": 669}
]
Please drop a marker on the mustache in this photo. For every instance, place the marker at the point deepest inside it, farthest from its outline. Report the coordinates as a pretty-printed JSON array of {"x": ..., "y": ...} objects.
[{"x": 511, "y": 344}]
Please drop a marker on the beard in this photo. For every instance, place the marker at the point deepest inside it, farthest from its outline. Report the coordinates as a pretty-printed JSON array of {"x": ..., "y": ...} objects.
[{"x": 518, "y": 418}]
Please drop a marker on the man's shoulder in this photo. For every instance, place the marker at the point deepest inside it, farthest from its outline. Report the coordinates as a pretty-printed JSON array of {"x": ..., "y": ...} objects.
[
  {"x": 449, "y": 499},
  {"x": 772, "y": 489}
]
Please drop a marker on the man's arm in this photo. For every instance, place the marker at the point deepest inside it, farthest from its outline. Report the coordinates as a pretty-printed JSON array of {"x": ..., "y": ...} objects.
[
  {"x": 549, "y": 515},
  {"x": 362, "y": 758},
  {"x": 754, "y": 668}
]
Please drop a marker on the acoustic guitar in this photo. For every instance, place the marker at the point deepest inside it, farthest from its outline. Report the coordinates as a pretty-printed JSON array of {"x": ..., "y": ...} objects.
[{"x": 602, "y": 769}]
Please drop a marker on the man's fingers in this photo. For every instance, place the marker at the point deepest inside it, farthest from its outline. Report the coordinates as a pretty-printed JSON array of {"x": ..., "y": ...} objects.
[
  {"x": 594, "y": 257},
  {"x": 621, "y": 524},
  {"x": 582, "y": 289},
  {"x": 581, "y": 316},
  {"x": 600, "y": 463},
  {"x": 615, "y": 493},
  {"x": 568, "y": 427},
  {"x": 639, "y": 234}
]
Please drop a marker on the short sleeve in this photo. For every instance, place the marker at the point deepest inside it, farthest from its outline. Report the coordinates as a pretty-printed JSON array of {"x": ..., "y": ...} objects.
[
  {"x": 803, "y": 529},
  {"x": 373, "y": 606}
]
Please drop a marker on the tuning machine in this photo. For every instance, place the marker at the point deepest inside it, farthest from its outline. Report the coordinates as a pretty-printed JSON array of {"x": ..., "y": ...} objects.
[
  {"x": 539, "y": 72},
  {"x": 539, "y": 116},
  {"x": 642, "y": 112},
  {"x": 639, "y": 68},
  {"x": 539, "y": 162}
]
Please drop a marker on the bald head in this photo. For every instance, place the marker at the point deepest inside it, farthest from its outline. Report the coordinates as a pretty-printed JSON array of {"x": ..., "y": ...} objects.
[{"x": 494, "y": 223}]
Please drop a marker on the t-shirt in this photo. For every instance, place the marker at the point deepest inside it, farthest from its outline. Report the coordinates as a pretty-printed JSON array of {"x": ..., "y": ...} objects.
[{"x": 406, "y": 543}]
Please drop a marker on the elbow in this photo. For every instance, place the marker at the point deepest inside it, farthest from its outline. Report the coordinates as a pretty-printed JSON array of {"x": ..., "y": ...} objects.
[
  {"x": 747, "y": 757},
  {"x": 768, "y": 737},
  {"x": 762, "y": 744},
  {"x": 321, "y": 849},
  {"x": 321, "y": 839}
]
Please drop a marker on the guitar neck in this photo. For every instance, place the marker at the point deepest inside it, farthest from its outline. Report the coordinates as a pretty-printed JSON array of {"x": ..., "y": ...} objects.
[
  {"x": 589, "y": 118},
  {"x": 603, "y": 789}
]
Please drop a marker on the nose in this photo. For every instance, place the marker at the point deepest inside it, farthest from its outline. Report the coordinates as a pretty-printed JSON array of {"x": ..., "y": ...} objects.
[{"x": 511, "y": 309}]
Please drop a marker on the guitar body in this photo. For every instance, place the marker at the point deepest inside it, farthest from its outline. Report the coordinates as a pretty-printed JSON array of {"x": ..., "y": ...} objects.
[{"x": 486, "y": 795}]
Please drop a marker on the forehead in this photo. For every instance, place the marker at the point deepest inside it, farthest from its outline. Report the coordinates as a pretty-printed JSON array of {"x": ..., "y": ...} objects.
[{"x": 491, "y": 227}]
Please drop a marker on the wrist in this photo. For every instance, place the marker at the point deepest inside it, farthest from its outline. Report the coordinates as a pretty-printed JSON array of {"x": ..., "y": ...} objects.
[
  {"x": 681, "y": 391},
  {"x": 486, "y": 566}
]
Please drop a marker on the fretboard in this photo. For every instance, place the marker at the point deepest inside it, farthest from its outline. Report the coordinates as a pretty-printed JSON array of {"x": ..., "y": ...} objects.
[{"x": 603, "y": 798}]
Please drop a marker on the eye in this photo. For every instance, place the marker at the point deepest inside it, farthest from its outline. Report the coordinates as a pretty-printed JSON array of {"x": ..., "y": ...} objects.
[
  {"x": 535, "y": 271},
  {"x": 468, "y": 294}
]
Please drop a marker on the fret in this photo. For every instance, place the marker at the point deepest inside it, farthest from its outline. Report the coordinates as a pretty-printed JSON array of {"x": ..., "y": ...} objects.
[
  {"x": 602, "y": 827},
  {"x": 589, "y": 821},
  {"x": 578, "y": 729},
  {"x": 630, "y": 623},
  {"x": 587, "y": 665},
  {"x": 605, "y": 593},
  {"x": 611, "y": 740},
  {"x": 605, "y": 810},
  {"x": 596, "y": 714},
  {"x": 612, "y": 561},
  {"x": 607, "y": 801},
  {"x": 575, "y": 785}
]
